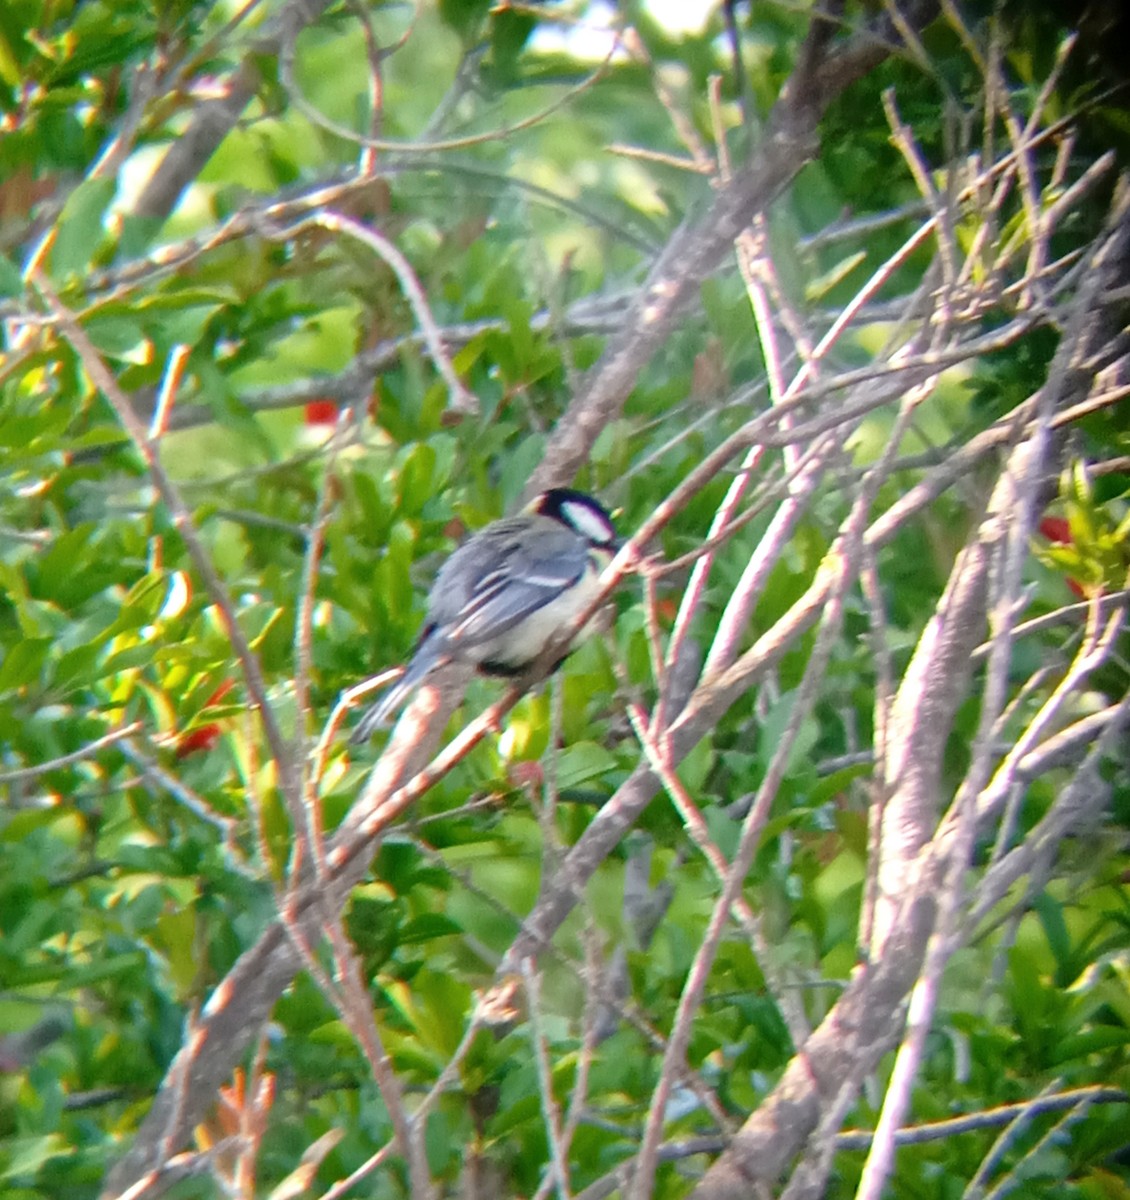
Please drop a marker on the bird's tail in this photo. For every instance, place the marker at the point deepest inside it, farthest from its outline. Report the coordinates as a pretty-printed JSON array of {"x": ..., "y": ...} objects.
[{"x": 427, "y": 656}]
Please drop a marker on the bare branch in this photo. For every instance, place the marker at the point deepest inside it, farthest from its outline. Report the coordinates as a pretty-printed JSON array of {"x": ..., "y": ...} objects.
[{"x": 189, "y": 153}]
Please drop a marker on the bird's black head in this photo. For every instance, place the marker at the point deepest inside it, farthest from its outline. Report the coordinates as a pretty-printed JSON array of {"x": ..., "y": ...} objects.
[{"x": 585, "y": 516}]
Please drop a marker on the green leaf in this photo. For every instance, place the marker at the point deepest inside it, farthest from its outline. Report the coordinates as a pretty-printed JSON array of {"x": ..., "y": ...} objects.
[
  {"x": 583, "y": 762},
  {"x": 80, "y": 229},
  {"x": 816, "y": 289},
  {"x": 1093, "y": 1041},
  {"x": 465, "y": 16},
  {"x": 509, "y": 32},
  {"x": 415, "y": 481},
  {"x": 122, "y": 337},
  {"x": 11, "y": 281},
  {"x": 427, "y": 927},
  {"x": 27, "y": 1155},
  {"x": 137, "y": 234},
  {"x": 773, "y": 728},
  {"x": 23, "y": 662},
  {"x": 1050, "y": 913}
]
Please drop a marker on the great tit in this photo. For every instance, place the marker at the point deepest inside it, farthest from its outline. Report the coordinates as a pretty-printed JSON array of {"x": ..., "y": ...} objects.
[{"x": 504, "y": 594}]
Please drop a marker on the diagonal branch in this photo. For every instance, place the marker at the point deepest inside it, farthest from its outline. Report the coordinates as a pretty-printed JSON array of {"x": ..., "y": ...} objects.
[
  {"x": 788, "y": 142},
  {"x": 213, "y": 120}
]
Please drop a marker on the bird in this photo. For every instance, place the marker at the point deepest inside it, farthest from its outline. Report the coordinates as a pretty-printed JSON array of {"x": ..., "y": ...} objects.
[{"x": 506, "y": 592}]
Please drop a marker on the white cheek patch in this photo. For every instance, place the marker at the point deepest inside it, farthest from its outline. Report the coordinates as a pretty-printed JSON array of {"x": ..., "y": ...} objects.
[{"x": 589, "y": 524}]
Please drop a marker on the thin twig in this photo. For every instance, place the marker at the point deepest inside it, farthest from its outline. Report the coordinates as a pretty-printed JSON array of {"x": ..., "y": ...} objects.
[{"x": 75, "y": 756}]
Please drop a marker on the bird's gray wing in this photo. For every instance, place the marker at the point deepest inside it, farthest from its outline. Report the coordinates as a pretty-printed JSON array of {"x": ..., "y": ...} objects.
[
  {"x": 487, "y": 586},
  {"x": 521, "y": 575}
]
